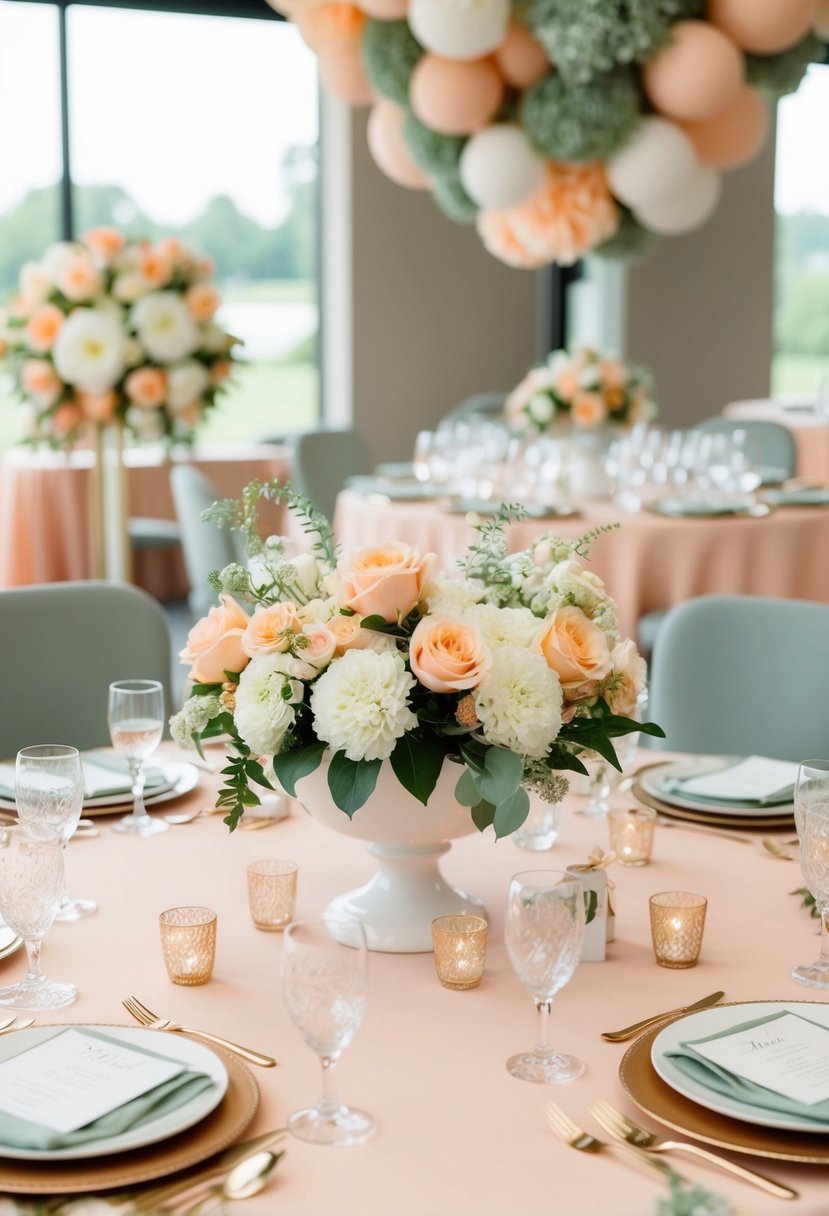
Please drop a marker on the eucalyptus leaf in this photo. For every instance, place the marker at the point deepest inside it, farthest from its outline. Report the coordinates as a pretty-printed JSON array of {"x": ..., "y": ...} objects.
[
  {"x": 467, "y": 792},
  {"x": 510, "y": 814},
  {"x": 502, "y": 775},
  {"x": 417, "y": 760},
  {"x": 482, "y": 815},
  {"x": 352, "y": 782},
  {"x": 591, "y": 905}
]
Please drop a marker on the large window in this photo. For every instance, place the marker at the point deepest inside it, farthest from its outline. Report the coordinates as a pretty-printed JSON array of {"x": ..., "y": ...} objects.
[
  {"x": 801, "y": 321},
  {"x": 176, "y": 122}
]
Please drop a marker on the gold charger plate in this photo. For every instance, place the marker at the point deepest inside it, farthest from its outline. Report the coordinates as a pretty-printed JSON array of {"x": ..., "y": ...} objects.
[
  {"x": 649, "y": 1092},
  {"x": 216, "y": 1132},
  {"x": 711, "y": 818}
]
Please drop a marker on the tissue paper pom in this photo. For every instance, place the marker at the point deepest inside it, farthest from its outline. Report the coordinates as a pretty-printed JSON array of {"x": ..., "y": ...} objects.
[
  {"x": 630, "y": 241},
  {"x": 777, "y": 75},
  {"x": 733, "y": 136},
  {"x": 455, "y": 98},
  {"x": 764, "y": 27},
  {"x": 687, "y": 208},
  {"x": 388, "y": 148},
  {"x": 459, "y": 29},
  {"x": 521, "y": 59},
  {"x": 581, "y": 122},
  {"x": 438, "y": 155},
  {"x": 389, "y": 56},
  {"x": 698, "y": 72},
  {"x": 453, "y": 200}
]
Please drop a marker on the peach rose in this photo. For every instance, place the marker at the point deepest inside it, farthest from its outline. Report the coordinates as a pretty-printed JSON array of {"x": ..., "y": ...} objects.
[
  {"x": 574, "y": 647},
  {"x": 39, "y": 379},
  {"x": 106, "y": 243},
  {"x": 65, "y": 419},
  {"x": 35, "y": 284},
  {"x": 146, "y": 387},
  {"x": 171, "y": 248},
  {"x": 448, "y": 656},
  {"x": 190, "y": 414},
  {"x": 155, "y": 266},
  {"x": 220, "y": 371},
  {"x": 269, "y": 630},
  {"x": 630, "y": 673},
  {"x": 202, "y": 299},
  {"x": 214, "y": 644},
  {"x": 43, "y": 326},
  {"x": 387, "y": 580},
  {"x": 321, "y": 646},
  {"x": 588, "y": 410},
  {"x": 78, "y": 278},
  {"x": 97, "y": 407}
]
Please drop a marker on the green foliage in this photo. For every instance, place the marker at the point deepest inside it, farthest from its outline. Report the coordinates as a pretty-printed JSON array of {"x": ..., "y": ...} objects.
[
  {"x": 453, "y": 200},
  {"x": 416, "y": 761},
  {"x": 301, "y": 762},
  {"x": 807, "y": 900},
  {"x": 240, "y": 515},
  {"x": 236, "y": 794},
  {"x": 591, "y": 906},
  {"x": 571, "y": 121},
  {"x": 390, "y": 52},
  {"x": 777, "y": 75},
  {"x": 630, "y": 241},
  {"x": 803, "y": 327},
  {"x": 691, "y": 1199},
  {"x": 492, "y": 787},
  {"x": 438, "y": 155},
  {"x": 352, "y": 782}
]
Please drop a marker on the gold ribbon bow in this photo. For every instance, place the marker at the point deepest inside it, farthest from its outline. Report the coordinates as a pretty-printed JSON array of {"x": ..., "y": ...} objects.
[{"x": 599, "y": 860}]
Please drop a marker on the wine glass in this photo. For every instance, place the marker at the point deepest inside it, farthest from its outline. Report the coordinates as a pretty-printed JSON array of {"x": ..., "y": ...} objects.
[
  {"x": 811, "y": 809},
  {"x": 543, "y": 931},
  {"x": 324, "y": 986},
  {"x": 49, "y": 790},
  {"x": 31, "y": 883},
  {"x": 136, "y": 720}
]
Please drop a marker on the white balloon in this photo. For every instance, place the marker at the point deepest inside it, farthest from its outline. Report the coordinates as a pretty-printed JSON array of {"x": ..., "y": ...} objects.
[
  {"x": 500, "y": 168},
  {"x": 459, "y": 29},
  {"x": 688, "y": 208},
  {"x": 653, "y": 164}
]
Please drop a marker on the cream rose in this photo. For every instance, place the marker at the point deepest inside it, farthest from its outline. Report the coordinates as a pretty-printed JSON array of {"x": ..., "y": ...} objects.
[
  {"x": 387, "y": 581},
  {"x": 630, "y": 673},
  {"x": 448, "y": 656},
  {"x": 214, "y": 644},
  {"x": 321, "y": 645},
  {"x": 269, "y": 630},
  {"x": 574, "y": 647}
]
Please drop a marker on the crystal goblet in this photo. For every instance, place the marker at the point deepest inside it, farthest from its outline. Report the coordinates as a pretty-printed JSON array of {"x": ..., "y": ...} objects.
[
  {"x": 136, "y": 722},
  {"x": 811, "y": 809}
]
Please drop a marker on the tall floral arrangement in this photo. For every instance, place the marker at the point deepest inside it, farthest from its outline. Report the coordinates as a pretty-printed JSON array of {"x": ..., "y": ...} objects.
[
  {"x": 584, "y": 388},
  {"x": 107, "y": 328},
  {"x": 510, "y": 670}
]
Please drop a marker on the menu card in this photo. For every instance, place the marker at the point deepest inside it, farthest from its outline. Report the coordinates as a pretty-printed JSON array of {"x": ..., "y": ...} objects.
[
  {"x": 69, "y": 1080},
  {"x": 787, "y": 1054},
  {"x": 755, "y": 779}
]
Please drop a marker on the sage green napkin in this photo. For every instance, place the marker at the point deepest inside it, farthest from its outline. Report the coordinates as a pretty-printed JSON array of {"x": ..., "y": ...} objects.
[
  {"x": 105, "y": 775},
  {"x": 714, "y": 1077},
  {"x": 146, "y": 1108}
]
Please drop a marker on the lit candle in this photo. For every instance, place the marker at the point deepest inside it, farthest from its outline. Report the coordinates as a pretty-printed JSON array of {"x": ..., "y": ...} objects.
[
  {"x": 631, "y": 834},
  {"x": 460, "y": 950},
  {"x": 677, "y": 924}
]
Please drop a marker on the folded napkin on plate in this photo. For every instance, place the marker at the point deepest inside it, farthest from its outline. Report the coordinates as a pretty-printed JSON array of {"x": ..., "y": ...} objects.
[
  {"x": 146, "y": 1108},
  {"x": 104, "y": 776},
  {"x": 756, "y": 779}
]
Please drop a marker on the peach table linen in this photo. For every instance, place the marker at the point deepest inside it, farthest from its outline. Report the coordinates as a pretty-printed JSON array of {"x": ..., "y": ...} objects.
[
  {"x": 44, "y": 510},
  {"x": 650, "y": 563},
  {"x": 809, "y": 430},
  {"x": 457, "y": 1136}
]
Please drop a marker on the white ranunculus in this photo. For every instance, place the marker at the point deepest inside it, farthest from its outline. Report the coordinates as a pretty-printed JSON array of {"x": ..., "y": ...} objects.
[
  {"x": 504, "y": 626},
  {"x": 186, "y": 382},
  {"x": 35, "y": 284},
  {"x": 56, "y": 257},
  {"x": 519, "y": 702},
  {"x": 540, "y": 409},
  {"x": 89, "y": 350},
  {"x": 165, "y": 327},
  {"x": 130, "y": 286},
  {"x": 263, "y": 712},
  {"x": 360, "y": 704}
]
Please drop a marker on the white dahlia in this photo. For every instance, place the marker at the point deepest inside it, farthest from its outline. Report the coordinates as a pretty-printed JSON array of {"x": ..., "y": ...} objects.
[
  {"x": 360, "y": 704},
  {"x": 504, "y": 626},
  {"x": 519, "y": 703},
  {"x": 452, "y": 596},
  {"x": 89, "y": 350},
  {"x": 265, "y": 704},
  {"x": 165, "y": 327},
  {"x": 186, "y": 381}
]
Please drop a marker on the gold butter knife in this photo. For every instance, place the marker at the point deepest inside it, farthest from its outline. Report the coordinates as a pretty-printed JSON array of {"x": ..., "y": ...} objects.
[
  {"x": 629, "y": 1032},
  {"x": 150, "y": 1201}
]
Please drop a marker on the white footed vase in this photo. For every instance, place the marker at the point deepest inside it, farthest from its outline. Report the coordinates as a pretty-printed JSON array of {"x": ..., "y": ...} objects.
[{"x": 398, "y": 904}]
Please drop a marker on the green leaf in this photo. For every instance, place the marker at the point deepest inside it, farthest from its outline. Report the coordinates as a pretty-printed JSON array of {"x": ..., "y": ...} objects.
[
  {"x": 511, "y": 813},
  {"x": 591, "y": 905},
  {"x": 483, "y": 815},
  {"x": 290, "y": 766},
  {"x": 560, "y": 759},
  {"x": 255, "y": 771},
  {"x": 502, "y": 775},
  {"x": 473, "y": 753},
  {"x": 379, "y": 624},
  {"x": 205, "y": 690},
  {"x": 466, "y": 791},
  {"x": 417, "y": 760},
  {"x": 352, "y": 782}
]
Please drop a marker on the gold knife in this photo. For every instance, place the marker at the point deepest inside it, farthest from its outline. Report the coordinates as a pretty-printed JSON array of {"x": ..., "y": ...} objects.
[{"x": 619, "y": 1036}]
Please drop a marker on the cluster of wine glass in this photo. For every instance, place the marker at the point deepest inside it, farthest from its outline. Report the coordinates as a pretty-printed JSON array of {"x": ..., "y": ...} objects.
[
  {"x": 811, "y": 812},
  {"x": 465, "y": 458}
]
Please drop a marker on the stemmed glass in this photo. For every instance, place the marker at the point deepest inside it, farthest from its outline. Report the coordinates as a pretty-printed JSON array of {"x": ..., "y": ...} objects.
[
  {"x": 49, "y": 790},
  {"x": 543, "y": 930},
  {"x": 811, "y": 809},
  {"x": 324, "y": 986},
  {"x": 136, "y": 721},
  {"x": 31, "y": 883}
]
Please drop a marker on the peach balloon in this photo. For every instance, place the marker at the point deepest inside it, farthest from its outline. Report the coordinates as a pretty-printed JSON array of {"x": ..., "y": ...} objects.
[
  {"x": 763, "y": 27},
  {"x": 342, "y": 73},
  {"x": 328, "y": 26},
  {"x": 388, "y": 147},
  {"x": 454, "y": 97},
  {"x": 522, "y": 59},
  {"x": 698, "y": 72},
  {"x": 734, "y": 135},
  {"x": 386, "y": 10}
]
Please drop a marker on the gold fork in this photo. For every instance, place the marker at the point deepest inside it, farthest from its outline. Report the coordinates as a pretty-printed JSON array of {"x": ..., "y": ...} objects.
[
  {"x": 572, "y": 1135},
  {"x": 777, "y": 847},
  {"x": 16, "y": 1023},
  {"x": 147, "y": 1018},
  {"x": 617, "y": 1124}
]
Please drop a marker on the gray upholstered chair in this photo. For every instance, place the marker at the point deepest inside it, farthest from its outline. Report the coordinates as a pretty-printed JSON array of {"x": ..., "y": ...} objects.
[
  {"x": 323, "y": 461},
  {"x": 205, "y": 546},
  {"x": 62, "y": 646},
  {"x": 778, "y": 453}
]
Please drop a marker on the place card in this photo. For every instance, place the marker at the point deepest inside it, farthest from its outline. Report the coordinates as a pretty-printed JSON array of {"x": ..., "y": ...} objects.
[
  {"x": 74, "y": 1078},
  {"x": 786, "y": 1053}
]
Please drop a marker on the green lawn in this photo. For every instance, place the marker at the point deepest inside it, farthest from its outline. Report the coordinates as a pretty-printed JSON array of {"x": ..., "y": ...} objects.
[
  {"x": 270, "y": 291},
  {"x": 799, "y": 373}
]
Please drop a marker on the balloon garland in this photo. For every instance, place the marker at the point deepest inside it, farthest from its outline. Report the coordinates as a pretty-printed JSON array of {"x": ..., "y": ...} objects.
[{"x": 562, "y": 127}]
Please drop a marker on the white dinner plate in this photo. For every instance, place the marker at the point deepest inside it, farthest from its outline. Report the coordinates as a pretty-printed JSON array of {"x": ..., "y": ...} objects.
[
  {"x": 9, "y": 941},
  {"x": 180, "y": 778},
  {"x": 807, "y": 496},
  {"x": 655, "y": 781},
  {"x": 696, "y": 508},
  {"x": 196, "y": 1055},
  {"x": 710, "y": 1021}
]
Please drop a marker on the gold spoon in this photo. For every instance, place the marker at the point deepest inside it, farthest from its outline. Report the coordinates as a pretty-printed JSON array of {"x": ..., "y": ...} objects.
[
  {"x": 248, "y": 1178},
  {"x": 182, "y": 817},
  {"x": 776, "y": 847}
]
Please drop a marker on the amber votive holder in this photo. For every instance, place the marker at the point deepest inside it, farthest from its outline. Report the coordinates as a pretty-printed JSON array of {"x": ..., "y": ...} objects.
[
  {"x": 631, "y": 834},
  {"x": 272, "y": 893},
  {"x": 677, "y": 924},
  {"x": 460, "y": 950},
  {"x": 188, "y": 944}
]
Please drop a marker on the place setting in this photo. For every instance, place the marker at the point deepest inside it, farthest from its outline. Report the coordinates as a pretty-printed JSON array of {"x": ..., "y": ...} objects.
[{"x": 726, "y": 791}]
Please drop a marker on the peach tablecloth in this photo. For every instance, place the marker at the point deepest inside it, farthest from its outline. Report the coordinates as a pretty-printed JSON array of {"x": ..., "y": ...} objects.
[
  {"x": 44, "y": 510},
  {"x": 810, "y": 430},
  {"x": 457, "y": 1136},
  {"x": 650, "y": 563}
]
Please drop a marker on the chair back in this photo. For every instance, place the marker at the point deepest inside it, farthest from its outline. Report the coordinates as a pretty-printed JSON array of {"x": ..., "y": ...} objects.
[
  {"x": 63, "y": 645},
  {"x": 486, "y": 405},
  {"x": 323, "y": 461},
  {"x": 743, "y": 675},
  {"x": 776, "y": 442},
  {"x": 205, "y": 547}
]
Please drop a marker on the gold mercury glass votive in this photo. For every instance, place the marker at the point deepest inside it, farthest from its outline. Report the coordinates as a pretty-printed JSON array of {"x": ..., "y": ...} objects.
[
  {"x": 677, "y": 924},
  {"x": 188, "y": 944},
  {"x": 631, "y": 834},
  {"x": 460, "y": 950},
  {"x": 272, "y": 893}
]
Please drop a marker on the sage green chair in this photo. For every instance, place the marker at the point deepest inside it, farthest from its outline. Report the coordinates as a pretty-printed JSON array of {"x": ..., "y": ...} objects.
[
  {"x": 778, "y": 453},
  {"x": 206, "y": 547},
  {"x": 62, "y": 646},
  {"x": 483, "y": 405},
  {"x": 743, "y": 675},
  {"x": 323, "y": 461}
]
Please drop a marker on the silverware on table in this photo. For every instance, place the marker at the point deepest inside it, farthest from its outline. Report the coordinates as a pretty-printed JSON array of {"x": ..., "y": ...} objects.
[
  {"x": 617, "y": 1124},
  {"x": 629, "y": 1032},
  {"x": 16, "y": 1023},
  {"x": 153, "y": 1022},
  {"x": 573, "y": 1136},
  {"x": 777, "y": 848},
  {"x": 147, "y": 1203}
]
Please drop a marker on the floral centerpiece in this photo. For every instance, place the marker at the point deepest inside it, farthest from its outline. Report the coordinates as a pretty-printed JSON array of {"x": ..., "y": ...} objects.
[
  {"x": 107, "y": 328},
  {"x": 583, "y": 388},
  {"x": 511, "y": 668}
]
